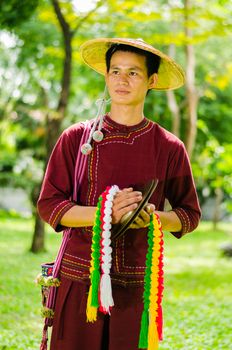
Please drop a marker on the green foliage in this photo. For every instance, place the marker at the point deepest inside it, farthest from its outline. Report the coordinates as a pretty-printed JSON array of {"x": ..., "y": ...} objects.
[
  {"x": 36, "y": 54},
  {"x": 13, "y": 12},
  {"x": 197, "y": 307},
  {"x": 21, "y": 159}
]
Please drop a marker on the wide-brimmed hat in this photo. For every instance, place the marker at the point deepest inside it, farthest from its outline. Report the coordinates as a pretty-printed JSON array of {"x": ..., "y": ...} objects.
[{"x": 170, "y": 74}]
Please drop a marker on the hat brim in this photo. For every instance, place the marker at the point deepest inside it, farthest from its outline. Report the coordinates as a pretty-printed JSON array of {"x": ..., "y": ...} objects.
[{"x": 170, "y": 75}]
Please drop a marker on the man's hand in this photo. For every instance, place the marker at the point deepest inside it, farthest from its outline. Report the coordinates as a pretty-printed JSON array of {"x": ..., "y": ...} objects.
[
  {"x": 143, "y": 219},
  {"x": 124, "y": 202}
]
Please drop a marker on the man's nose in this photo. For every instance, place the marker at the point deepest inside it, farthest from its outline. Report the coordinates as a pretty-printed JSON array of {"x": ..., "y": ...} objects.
[{"x": 123, "y": 79}]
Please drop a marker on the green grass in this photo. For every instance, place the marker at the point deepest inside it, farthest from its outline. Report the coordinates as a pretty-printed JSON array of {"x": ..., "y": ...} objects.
[
  {"x": 197, "y": 298},
  {"x": 20, "y": 321}
]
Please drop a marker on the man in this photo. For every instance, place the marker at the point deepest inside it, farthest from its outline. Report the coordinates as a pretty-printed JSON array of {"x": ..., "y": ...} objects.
[{"x": 133, "y": 150}]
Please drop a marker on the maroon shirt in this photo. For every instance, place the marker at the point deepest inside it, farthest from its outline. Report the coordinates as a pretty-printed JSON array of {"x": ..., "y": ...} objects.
[{"x": 128, "y": 155}]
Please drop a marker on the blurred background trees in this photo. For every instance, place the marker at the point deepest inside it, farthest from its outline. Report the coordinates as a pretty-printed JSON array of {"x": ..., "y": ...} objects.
[{"x": 45, "y": 86}]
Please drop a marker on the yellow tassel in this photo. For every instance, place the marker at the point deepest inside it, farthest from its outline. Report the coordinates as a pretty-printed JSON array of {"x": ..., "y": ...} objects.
[
  {"x": 153, "y": 341},
  {"x": 91, "y": 311}
]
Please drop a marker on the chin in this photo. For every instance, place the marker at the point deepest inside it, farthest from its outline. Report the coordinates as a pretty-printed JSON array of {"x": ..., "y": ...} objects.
[{"x": 121, "y": 99}]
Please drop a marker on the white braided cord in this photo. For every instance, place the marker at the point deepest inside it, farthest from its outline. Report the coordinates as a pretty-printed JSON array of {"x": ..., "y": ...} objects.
[{"x": 106, "y": 298}]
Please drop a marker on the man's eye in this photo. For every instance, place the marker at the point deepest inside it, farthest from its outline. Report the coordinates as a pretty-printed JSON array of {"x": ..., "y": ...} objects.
[{"x": 133, "y": 73}]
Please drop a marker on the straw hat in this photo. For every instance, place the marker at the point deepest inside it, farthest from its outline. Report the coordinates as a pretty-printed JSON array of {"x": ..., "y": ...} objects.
[{"x": 170, "y": 74}]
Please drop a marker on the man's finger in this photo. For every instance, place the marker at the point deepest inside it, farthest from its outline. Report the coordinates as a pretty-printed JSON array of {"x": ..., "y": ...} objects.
[
  {"x": 150, "y": 208},
  {"x": 123, "y": 199},
  {"x": 145, "y": 216}
]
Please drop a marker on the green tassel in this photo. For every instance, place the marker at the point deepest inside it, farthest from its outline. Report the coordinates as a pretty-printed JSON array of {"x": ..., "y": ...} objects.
[
  {"x": 95, "y": 278},
  {"x": 95, "y": 255},
  {"x": 47, "y": 313},
  {"x": 40, "y": 280},
  {"x": 47, "y": 281},
  {"x": 147, "y": 277},
  {"x": 52, "y": 282},
  {"x": 143, "y": 336}
]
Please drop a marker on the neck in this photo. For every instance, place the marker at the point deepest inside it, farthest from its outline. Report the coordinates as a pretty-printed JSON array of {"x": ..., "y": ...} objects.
[{"x": 126, "y": 115}]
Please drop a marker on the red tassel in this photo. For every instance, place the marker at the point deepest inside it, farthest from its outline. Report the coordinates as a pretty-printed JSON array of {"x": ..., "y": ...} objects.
[
  {"x": 44, "y": 342},
  {"x": 159, "y": 319}
]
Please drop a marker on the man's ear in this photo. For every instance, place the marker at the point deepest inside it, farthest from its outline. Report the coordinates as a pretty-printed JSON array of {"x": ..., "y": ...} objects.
[{"x": 152, "y": 80}]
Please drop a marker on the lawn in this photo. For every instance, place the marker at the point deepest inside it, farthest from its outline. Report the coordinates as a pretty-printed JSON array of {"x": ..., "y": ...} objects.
[{"x": 197, "y": 299}]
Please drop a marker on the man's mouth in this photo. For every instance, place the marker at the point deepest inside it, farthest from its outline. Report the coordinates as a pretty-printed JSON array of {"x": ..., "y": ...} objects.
[{"x": 122, "y": 92}]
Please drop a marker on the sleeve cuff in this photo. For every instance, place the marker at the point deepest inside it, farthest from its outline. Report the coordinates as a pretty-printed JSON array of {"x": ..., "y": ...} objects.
[
  {"x": 57, "y": 214},
  {"x": 185, "y": 222}
]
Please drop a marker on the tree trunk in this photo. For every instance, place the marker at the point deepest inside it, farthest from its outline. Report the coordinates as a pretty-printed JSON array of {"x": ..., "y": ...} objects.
[
  {"x": 39, "y": 227},
  {"x": 171, "y": 98},
  {"x": 217, "y": 212},
  {"x": 191, "y": 93},
  {"x": 54, "y": 121},
  {"x": 38, "y": 244},
  {"x": 173, "y": 106}
]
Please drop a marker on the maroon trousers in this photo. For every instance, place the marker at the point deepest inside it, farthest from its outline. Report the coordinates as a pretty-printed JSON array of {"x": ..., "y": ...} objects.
[{"x": 119, "y": 331}]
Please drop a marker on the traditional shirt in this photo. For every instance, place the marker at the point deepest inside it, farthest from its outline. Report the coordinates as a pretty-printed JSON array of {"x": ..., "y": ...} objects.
[{"x": 127, "y": 156}]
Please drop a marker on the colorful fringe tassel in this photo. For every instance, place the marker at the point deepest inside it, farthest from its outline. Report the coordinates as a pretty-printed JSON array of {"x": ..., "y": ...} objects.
[
  {"x": 100, "y": 292},
  {"x": 106, "y": 299},
  {"x": 92, "y": 302},
  {"x": 151, "y": 321}
]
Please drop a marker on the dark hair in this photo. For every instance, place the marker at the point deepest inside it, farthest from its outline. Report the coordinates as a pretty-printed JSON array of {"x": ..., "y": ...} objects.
[{"x": 152, "y": 60}]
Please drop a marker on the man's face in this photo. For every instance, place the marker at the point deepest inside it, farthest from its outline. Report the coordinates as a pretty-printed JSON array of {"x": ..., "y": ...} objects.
[{"x": 127, "y": 79}]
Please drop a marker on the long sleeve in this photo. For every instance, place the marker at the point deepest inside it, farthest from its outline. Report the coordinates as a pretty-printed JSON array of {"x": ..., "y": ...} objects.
[
  {"x": 181, "y": 191},
  {"x": 57, "y": 188}
]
